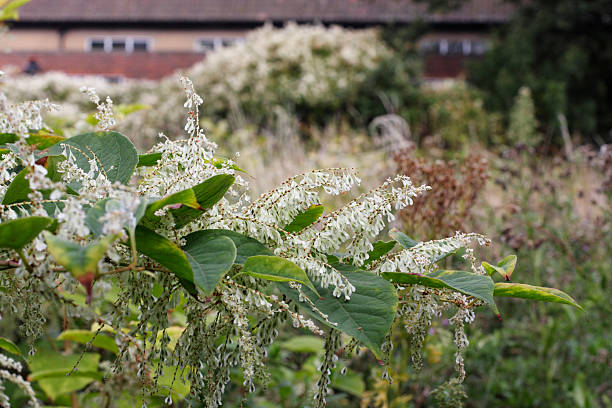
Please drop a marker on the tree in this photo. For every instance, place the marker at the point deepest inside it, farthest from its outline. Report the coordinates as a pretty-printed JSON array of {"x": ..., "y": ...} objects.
[{"x": 561, "y": 50}]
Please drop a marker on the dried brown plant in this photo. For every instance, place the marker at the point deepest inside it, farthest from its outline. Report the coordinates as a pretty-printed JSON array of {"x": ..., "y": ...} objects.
[{"x": 447, "y": 207}]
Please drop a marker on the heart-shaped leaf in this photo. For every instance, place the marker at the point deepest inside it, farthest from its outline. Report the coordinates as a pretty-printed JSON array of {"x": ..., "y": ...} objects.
[
  {"x": 367, "y": 316},
  {"x": 210, "y": 259},
  {"x": 276, "y": 269},
  {"x": 80, "y": 261},
  {"x": 245, "y": 246},
  {"x": 468, "y": 283},
  {"x": 15, "y": 234},
  {"x": 114, "y": 153},
  {"x": 166, "y": 253},
  {"x": 540, "y": 293}
]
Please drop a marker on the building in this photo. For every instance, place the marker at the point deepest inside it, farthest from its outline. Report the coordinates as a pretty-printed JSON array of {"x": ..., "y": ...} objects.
[{"x": 153, "y": 38}]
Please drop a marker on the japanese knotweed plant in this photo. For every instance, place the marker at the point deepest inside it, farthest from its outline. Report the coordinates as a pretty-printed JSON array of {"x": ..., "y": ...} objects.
[{"x": 86, "y": 220}]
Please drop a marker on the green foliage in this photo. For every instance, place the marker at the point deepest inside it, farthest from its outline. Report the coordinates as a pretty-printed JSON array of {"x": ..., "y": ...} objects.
[
  {"x": 210, "y": 259},
  {"x": 522, "y": 127},
  {"x": 54, "y": 372},
  {"x": 89, "y": 337},
  {"x": 305, "y": 218},
  {"x": 113, "y": 154},
  {"x": 524, "y": 291},
  {"x": 505, "y": 267},
  {"x": 9, "y": 346},
  {"x": 560, "y": 51},
  {"x": 367, "y": 316},
  {"x": 276, "y": 269},
  {"x": 15, "y": 234},
  {"x": 245, "y": 246},
  {"x": 165, "y": 252},
  {"x": 9, "y": 9},
  {"x": 479, "y": 286},
  {"x": 79, "y": 260},
  {"x": 18, "y": 190},
  {"x": 193, "y": 289}
]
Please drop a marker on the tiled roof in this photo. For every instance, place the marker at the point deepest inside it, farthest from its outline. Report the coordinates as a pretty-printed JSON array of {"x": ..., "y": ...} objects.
[{"x": 257, "y": 11}]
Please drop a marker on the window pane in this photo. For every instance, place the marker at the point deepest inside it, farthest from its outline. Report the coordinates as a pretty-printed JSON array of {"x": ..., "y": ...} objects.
[
  {"x": 96, "y": 44},
  {"x": 118, "y": 45},
  {"x": 478, "y": 47},
  {"x": 141, "y": 46},
  {"x": 455, "y": 47},
  {"x": 206, "y": 44},
  {"x": 226, "y": 42},
  {"x": 431, "y": 47}
]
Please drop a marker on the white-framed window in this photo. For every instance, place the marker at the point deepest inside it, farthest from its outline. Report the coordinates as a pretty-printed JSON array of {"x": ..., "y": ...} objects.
[
  {"x": 118, "y": 44},
  {"x": 207, "y": 44},
  {"x": 445, "y": 46}
]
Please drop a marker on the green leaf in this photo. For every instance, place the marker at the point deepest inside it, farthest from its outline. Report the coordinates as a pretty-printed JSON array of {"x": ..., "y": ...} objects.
[
  {"x": 115, "y": 153},
  {"x": 403, "y": 239},
  {"x": 540, "y": 293},
  {"x": 80, "y": 261},
  {"x": 51, "y": 368},
  {"x": 505, "y": 267},
  {"x": 43, "y": 140},
  {"x": 367, "y": 316},
  {"x": 93, "y": 215},
  {"x": 123, "y": 110},
  {"x": 99, "y": 209},
  {"x": 9, "y": 346},
  {"x": 165, "y": 252},
  {"x": 10, "y": 10},
  {"x": 350, "y": 383},
  {"x": 150, "y": 159},
  {"x": 210, "y": 259},
  {"x": 8, "y": 138},
  {"x": 19, "y": 188},
  {"x": 304, "y": 344},
  {"x": 15, "y": 234},
  {"x": 220, "y": 162},
  {"x": 85, "y": 336},
  {"x": 305, "y": 218},
  {"x": 380, "y": 248},
  {"x": 245, "y": 246},
  {"x": 207, "y": 194},
  {"x": 51, "y": 166},
  {"x": 468, "y": 283},
  {"x": 276, "y": 269},
  {"x": 173, "y": 377},
  {"x": 184, "y": 197}
]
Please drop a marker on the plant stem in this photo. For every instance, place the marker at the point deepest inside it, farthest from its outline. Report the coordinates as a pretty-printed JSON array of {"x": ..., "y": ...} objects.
[
  {"x": 123, "y": 269},
  {"x": 24, "y": 260}
]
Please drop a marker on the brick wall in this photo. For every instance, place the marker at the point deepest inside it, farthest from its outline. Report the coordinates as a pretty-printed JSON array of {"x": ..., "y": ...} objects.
[{"x": 145, "y": 65}]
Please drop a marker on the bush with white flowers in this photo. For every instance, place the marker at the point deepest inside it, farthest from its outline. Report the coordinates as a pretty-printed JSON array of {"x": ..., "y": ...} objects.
[{"x": 122, "y": 241}]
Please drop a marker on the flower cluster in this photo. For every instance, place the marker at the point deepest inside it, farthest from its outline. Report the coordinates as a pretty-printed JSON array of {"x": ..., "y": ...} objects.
[{"x": 129, "y": 245}]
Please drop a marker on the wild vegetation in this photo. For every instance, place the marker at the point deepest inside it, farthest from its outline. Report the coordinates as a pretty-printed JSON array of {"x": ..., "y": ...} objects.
[{"x": 116, "y": 294}]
